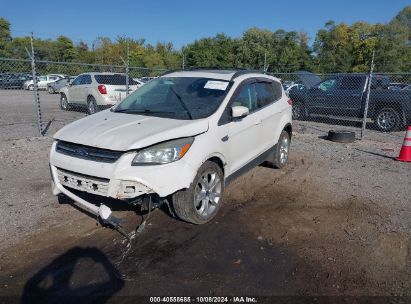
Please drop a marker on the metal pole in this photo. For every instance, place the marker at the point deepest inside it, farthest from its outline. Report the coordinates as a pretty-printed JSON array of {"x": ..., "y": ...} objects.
[
  {"x": 367, "y": 100},
  {"x": 127, "y": 68},
  {"x": 265, "y": 62},
  {"x": 35, "y": 88},
  {"x": 183, "y": 63}
]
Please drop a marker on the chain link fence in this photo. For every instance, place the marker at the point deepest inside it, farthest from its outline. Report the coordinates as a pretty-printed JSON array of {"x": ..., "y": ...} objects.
[
  {"x": 69, "y": 91},
  {"x": 341, "y": 99}
]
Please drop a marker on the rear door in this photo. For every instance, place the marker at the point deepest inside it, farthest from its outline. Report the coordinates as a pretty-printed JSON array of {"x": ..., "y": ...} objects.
[
  {"x": 269, "y": 92},
  {"x": 348, "y": 97}
]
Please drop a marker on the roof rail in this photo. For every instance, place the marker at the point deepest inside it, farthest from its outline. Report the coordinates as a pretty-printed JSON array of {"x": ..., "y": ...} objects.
[{"x": 237, "y": 71}]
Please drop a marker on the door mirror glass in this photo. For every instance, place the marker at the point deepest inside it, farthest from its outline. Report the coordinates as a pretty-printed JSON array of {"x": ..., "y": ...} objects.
[{"x": 239, "y": 111}]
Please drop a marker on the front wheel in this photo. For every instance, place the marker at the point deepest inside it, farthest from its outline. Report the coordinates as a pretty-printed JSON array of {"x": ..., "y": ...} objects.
[
  {"x": 64, "y": 105},
  {"x": 200, "y": 203},
  {"x": 387, "y": 120},
  {"x": 31, "y": 87},
  {"x": 50, "y": 90}
]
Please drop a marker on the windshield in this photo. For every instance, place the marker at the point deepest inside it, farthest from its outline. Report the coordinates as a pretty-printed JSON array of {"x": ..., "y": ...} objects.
[
  {"x": 178, "y": 98},
  {"x": 115, "y": 79}
]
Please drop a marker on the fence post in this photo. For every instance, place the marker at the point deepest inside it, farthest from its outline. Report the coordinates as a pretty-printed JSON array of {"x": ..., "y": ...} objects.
[
  {"x": 367, "y": 100},
  {"x": 127, "y": 69},
  {"x": 35, "y": 88}
]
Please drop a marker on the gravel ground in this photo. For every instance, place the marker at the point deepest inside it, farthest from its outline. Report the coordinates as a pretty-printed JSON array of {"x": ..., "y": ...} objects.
[{"x": 336, "y": 221}]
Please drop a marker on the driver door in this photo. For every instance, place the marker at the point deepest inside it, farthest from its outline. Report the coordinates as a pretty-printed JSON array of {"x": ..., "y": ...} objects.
[
  {"x": 321, "y": 98},
  {"x": 244, "y": 134}
]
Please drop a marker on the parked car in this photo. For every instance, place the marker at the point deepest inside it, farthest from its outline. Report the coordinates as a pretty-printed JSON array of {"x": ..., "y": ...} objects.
[
  {"x": 179, "y": 140},
  {"x": 42, "y": 81},
  {"x": 96, "y": 91},
  {"x": 13, "y": 80},
  {"x": 407, "y": 88},
  {"x": 139, "y": 82},
  {"x": 54, "y": 87},
  {"x": 294, "y": 86},
  {"x": 345, "y": 95}
]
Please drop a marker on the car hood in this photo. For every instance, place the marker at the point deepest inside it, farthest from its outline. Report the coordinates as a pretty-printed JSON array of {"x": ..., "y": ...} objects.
[
  {"x": 123, "y": 132},
  {"x": 309, "y": 80}
]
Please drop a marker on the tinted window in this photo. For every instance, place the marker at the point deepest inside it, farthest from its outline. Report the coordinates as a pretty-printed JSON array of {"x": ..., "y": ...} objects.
[
  {"x": 77, "y": 80},
  {"x": 352, "y": 83},
  {"x": 265, "y": 93},
  {"x": 86, "y": 79},
  {"x": 115, "y": 79},
  {"x": 246, "y": 97},
  {"x": 328, "y": 85}
]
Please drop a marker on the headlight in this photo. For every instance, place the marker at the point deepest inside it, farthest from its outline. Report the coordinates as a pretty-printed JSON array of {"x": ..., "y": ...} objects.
[{"x": 163, "y": 153}]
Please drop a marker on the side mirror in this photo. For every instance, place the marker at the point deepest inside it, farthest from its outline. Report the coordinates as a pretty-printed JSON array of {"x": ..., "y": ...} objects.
[{"x": 239, "y": 112}]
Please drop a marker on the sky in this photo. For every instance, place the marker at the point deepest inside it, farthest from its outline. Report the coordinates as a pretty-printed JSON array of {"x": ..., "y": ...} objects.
[{"x": 183, "y": 21}]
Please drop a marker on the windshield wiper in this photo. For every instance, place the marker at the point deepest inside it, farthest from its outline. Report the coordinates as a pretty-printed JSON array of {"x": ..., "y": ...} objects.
[
  {"x": 182, "y": 102},
  {"x": 142, "y": 111}
]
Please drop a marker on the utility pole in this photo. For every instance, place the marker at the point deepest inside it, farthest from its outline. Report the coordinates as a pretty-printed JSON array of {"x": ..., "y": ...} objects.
[{"x": 367, "y": 100}]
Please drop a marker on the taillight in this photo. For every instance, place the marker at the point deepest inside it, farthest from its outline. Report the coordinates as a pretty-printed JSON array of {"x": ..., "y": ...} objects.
[
  {"x": 290, "y": 102},
  {"x": 102, "y": 89}
]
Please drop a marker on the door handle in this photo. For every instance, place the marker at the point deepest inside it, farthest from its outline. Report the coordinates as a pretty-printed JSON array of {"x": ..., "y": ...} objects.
[
  {"x": 257, "y": 122},
  {"x": 355, "y": 95}
]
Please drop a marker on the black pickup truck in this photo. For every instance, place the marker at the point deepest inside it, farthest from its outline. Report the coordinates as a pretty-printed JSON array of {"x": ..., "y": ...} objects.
[{"x": 345, "y": 96}]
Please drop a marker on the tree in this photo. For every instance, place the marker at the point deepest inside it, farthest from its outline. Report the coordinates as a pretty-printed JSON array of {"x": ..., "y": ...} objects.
[{"x": 5, "y": 36}]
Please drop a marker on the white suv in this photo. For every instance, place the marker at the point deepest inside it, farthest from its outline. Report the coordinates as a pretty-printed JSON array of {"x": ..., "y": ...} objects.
[
  {"x": 42, "y": 81},
  {"x": 179, "y": 139},
  {"x": 96, "y": 91}
]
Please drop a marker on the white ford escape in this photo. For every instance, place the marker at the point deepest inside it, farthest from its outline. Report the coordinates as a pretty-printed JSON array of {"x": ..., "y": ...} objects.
[{"x": 180, "y": 138}]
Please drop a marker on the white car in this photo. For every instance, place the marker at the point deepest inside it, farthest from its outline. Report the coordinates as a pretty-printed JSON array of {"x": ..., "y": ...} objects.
[
  {"x": 96, "y": 91},
  {"x": 42, "y": 81},
  {"x": 179, "y": 139}
]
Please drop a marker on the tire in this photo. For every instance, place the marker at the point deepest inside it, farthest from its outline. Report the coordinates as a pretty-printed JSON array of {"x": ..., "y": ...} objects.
[
  {"x": 31, "y": 87},
  {"x": 200, "y": 203},
  {"x": 387, "y": 120},
  {"x": 298, "y": 111},
  {"x": 64, "y": 104},
  {"x": 92, "y": 107},
  {"x": 50, "y": 90},
  {"x": 341, "y": 136},
  {"x": 280, "y": 157}
]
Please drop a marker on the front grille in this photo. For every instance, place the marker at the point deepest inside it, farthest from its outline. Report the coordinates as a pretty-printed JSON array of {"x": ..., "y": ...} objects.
[
  {"x": 90, "y": 184},
  {"x": 86, "y": 152}
]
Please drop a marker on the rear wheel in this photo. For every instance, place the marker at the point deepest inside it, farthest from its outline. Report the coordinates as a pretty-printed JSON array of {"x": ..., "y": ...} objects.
[
  {"x": 64, "y": 105},
  {"x": 280, "y": 157},
  {"x": 91, "y": 105},
  {"x": 298, "y": 111},
  {"x": 200, "y": 203},
  {"x": 387, "y": 120},
  {"x": 31, "y": 87},
  {"x": 50, "y": 90}
]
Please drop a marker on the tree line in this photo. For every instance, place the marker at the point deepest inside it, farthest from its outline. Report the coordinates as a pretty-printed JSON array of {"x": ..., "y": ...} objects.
[{"x": 335, "y": 48}]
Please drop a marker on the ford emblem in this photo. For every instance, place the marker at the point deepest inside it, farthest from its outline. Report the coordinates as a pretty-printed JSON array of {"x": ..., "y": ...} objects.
[{"x": 81, "y": 152}]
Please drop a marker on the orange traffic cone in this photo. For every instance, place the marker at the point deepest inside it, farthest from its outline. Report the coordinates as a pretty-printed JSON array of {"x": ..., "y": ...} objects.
[{"x": 405, "y": 153}]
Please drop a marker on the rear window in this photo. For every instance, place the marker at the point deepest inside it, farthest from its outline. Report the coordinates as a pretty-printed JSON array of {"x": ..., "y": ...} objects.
[{"x": 116, "y": 79}]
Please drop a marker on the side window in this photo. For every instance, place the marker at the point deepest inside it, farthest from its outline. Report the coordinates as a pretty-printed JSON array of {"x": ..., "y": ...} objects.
[
  {"x": 86, "y": 79},
  {"x": 77, "y": 81},
  {"x": 53, "y": 78},
  {"x": 352, "y": 83},
  {"x": 265, "y": 93},
  {"x": 246, "y": 97},
  {"x": 268, "y": 92},
  {"x": 42, "y": 78},
  {"x": 328, "y": 85}
]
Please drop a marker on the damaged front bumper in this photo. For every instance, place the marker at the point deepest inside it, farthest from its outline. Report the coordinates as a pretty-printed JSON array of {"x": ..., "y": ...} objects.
[{"x": 117, "y": 180}]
